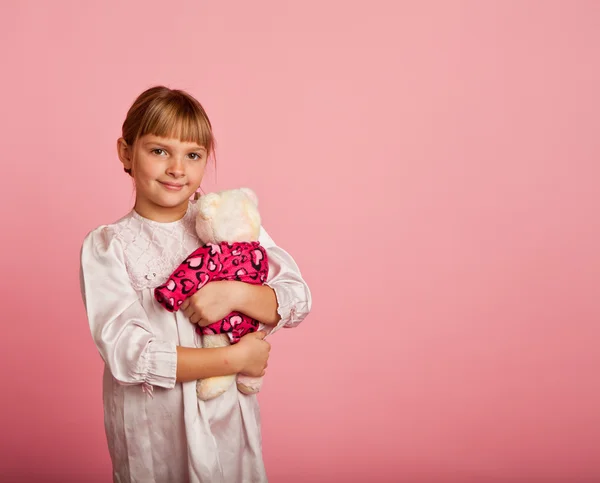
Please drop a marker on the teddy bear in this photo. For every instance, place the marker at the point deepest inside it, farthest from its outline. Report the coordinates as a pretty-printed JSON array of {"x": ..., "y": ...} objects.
[{"x": 228, "y": 224}]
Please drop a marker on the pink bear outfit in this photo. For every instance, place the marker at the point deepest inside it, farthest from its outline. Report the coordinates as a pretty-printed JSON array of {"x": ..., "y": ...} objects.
[{"x": 242, "y": 261}]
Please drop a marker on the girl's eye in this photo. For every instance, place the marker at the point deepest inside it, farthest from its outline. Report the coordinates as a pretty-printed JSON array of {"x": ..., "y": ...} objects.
[
  {"x": 158, "y": 151},
  {"x": 195, "y": 156}
]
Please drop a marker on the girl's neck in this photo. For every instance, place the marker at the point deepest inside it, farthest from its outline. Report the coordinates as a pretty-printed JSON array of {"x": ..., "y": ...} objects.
[{"x": 161, "y": 214}]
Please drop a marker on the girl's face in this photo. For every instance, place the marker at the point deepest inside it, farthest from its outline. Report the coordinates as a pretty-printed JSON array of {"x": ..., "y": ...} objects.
[{"x": 167, "y": 172}]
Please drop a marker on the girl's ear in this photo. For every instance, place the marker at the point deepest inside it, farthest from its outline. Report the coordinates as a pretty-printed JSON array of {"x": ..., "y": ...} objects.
[
  {"x": 250, "y": 194},
  {"x": 125, "y": 155}
]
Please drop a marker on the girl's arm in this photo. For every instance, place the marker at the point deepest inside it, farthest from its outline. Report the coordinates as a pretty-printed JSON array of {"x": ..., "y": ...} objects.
[
  {"x": 193, "y": 364},
  {"x": 249, "y": 356},
  {"x": 293, "y": 299},
  {"x": 256, "y": 301},
  {"x": 284, "y": 301},
  {"x": 118, "y": 322}
]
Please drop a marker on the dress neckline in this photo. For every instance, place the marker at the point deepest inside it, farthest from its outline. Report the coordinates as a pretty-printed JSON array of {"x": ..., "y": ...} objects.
[{"x": 166, "y": 224}]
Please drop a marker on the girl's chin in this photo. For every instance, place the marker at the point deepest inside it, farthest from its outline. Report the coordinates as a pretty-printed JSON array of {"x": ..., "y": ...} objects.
[{"x": 170, "y": 201}]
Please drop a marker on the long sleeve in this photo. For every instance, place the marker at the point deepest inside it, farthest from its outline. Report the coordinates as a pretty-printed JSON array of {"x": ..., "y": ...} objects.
[
  {"x": 119, "y": 324},
  {"x": 294, "y": 298}
]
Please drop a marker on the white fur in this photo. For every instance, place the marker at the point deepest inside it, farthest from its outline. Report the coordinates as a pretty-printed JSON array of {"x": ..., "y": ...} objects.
[{"x": 227, "y": 216}]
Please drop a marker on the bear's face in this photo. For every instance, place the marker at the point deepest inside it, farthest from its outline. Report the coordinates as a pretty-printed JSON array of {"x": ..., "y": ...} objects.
[{"x": 228, "y": 216}]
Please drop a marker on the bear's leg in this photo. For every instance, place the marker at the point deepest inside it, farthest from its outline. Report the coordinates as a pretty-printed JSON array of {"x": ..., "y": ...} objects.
[{"x": 249, "y": 385}]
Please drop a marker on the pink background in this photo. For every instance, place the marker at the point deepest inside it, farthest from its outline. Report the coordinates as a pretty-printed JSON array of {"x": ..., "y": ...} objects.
[{"x": 433, "y": 168}]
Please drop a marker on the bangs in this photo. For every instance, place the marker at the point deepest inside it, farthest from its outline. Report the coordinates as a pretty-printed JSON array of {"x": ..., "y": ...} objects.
[{"x": 178, "y": 118}]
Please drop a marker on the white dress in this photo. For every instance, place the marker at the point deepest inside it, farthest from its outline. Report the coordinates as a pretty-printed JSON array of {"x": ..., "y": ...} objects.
[{"x": 157, "y": 430}]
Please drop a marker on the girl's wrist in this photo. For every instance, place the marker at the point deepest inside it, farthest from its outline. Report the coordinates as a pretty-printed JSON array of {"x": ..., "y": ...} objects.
[
  {"x": 235, "y": 358},
  {"x": 240, "y": 294}
]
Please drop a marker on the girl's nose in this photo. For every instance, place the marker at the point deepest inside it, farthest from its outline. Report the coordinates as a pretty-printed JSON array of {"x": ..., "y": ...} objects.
[{"x": 176, "y": 168}]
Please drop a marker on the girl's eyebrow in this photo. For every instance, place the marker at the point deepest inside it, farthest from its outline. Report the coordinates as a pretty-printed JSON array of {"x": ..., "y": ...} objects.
[{"x": 156, "y": 143}]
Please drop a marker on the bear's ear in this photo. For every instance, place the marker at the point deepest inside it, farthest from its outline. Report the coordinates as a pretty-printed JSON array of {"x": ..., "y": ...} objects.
[
  {"x": 250, "y": 194},
  {"x": 208, "y": 205}
]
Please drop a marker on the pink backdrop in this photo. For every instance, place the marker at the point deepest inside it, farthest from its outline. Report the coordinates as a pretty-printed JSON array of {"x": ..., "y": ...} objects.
[{"x": 433, "y": 168}]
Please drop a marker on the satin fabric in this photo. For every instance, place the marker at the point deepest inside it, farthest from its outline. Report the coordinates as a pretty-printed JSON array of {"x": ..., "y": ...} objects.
[{"x": 157, "y": 430}]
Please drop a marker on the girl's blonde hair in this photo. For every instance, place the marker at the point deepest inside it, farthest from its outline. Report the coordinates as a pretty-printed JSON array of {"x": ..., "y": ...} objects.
[{"x": 170, "y": 113}]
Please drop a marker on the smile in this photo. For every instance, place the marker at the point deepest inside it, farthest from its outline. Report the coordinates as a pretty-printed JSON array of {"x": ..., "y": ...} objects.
[{"x": 172, "y": 186}]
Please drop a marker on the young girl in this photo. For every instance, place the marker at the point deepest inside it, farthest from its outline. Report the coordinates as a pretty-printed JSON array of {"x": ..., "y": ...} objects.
[{"x": 157, "y": 429}]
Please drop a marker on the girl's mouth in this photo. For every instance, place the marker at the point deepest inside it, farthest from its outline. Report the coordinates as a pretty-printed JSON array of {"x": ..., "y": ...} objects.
[{"x": 172, "y": 186}]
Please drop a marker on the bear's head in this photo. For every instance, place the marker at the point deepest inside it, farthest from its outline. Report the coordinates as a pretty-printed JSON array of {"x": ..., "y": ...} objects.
[{"x": 228, "y": 216}]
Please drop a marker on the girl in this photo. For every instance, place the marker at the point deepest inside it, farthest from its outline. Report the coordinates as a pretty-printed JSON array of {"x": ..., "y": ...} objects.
[{"x": 157, "y": 429}]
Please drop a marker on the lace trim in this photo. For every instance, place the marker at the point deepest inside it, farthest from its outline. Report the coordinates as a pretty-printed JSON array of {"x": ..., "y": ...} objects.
[{"x": 152, "y": 249}]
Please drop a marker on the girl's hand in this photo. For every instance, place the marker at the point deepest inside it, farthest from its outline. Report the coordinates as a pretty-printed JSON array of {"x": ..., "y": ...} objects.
[
  {"x": 212, "y": 302},
  {"x": 252, "y": 354}
]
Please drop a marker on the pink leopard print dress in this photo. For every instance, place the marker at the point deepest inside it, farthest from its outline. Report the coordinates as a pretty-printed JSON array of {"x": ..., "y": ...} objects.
[{"x": 242, "y": 261}]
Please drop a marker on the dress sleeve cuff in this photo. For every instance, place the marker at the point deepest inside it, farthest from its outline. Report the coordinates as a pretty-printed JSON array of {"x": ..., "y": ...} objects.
[
  {"x": 158, "y": 364},
  {"x": 291, "y": 311},
  {"x": 294, "y": 299}
]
